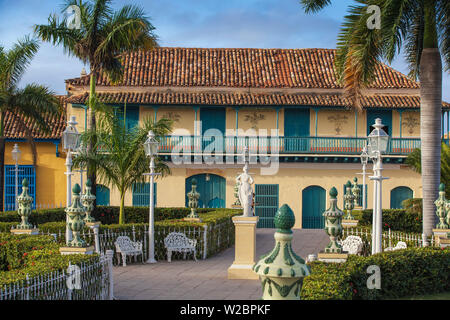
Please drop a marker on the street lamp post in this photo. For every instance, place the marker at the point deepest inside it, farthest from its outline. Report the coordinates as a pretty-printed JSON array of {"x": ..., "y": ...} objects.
[
  {"x": 364, "y": 161},
  {"x": 71, "y": 140},
  {"x": 16, "y": 156},
  {"x": 151, "y": 151},
  {"x": 378, "y": 144}
]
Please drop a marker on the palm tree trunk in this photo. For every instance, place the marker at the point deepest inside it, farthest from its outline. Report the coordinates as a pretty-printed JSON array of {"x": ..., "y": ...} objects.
[
  {"x": 122, "y": 207},
  {"x": 91, "y": 170},
  {"x": 430, "y": 117},
  {"x": 2, "y": 159}
]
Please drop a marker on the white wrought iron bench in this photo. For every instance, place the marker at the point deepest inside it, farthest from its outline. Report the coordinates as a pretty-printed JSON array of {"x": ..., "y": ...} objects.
[
  {"x": 178, "y": 242},
  {"x": 352, "y": 245},
  {"x": 400, "y": 245},
  {"x": 126, "y": 247}
]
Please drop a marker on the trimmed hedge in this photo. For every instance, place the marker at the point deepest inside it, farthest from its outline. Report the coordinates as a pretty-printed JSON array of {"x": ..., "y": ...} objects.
[
  {"x": 414, "y": 271},
  {"x": 396, "y": 219},
  {"x": 106, "y": 215}
]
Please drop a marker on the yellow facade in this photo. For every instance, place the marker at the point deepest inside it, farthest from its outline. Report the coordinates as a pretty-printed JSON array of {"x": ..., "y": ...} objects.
[{"x": 292, "y": 178}]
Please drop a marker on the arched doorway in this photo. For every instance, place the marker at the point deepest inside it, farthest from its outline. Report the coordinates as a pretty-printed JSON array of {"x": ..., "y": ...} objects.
[
  {"x": 211, "y": 188},
  {"x": 103, "y": 195},
  {"x": 313, "y": 206},
  {"x": 398, "y": 195}
]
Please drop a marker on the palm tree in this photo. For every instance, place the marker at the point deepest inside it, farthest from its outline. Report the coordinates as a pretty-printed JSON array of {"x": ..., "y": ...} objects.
[
  {"x": 121, "y": 161},
  {"x": 421, "y": 28},
  {"x": 103, "y": 35},
  {"x": 27, "y": 106},
  {"x": 415, "y": 161}
]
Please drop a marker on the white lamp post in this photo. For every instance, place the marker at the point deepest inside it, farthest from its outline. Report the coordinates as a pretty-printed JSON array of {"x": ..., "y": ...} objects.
[
  {"x": 71, "y": 140},
  {"x": 364, "y": 161},
  {"x": 151, "y": 150},
  {"x": 81, "y": 171},
  {"x": 378, "y": 143},
  {"x": 16, "y": 156}
]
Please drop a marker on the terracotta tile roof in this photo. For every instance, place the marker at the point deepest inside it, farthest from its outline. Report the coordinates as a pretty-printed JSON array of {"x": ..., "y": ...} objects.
[
  {"x": 57, "y": 125},
  {"x": 240, "y": 68},
  {"x": 249, "y": 99}
]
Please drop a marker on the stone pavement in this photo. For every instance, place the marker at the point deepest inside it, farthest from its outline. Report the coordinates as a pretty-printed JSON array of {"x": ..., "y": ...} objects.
[{"x": 205, "y": 279}]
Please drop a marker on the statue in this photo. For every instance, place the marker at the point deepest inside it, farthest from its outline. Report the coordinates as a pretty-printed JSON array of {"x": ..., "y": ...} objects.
[
  {"x": 245, "y": 182},
  {"x": 193, "y": 197}
]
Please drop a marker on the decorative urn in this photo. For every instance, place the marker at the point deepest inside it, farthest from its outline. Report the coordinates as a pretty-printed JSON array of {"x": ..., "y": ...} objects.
[
  {"x": 193, "y": 197},
  {"x": 24, "y": 201},
  {"x": 333, "y": 223},
  {"x": 282, "y": 271},
  {"x": 356, "y": 191},
  {"x": 349, "y": 199},
  {"x": 87, "y": 199},
  {"x": 76, "y": 214},
  {"x": 442, "y": 209}
]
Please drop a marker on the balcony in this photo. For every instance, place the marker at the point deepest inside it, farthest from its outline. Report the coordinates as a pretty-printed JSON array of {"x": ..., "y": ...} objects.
[{"x": 280, "y": 145}]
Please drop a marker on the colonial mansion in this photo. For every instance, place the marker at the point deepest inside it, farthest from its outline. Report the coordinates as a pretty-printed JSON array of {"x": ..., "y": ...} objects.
[{"x": 285, "y": 105}]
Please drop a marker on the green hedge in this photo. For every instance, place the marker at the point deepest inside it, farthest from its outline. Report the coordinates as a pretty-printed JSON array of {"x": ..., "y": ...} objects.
[
  {"x": 106, "y": 215},
  {"x": 14, "y": 248},
  {"x": 414, "y": 271},
  {"x": 396, "y": 219}
]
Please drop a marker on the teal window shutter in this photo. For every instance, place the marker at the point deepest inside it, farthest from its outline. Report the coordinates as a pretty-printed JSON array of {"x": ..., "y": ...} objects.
[
  {"x": 28, "y": 172},
  {"x": 266, "y": 204},
  {"x": 141, "y": 194},
  {"x": 132, "y": 116}
]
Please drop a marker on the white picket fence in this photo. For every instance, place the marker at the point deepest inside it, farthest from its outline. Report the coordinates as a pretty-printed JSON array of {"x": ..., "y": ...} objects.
[
  {"x": 207, "y": 244},
  {"x": 59, "y": 285},
  {"x": 390, "y": 238}
]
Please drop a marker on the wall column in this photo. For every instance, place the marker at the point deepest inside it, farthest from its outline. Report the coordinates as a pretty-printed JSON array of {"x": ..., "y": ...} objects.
[
  {"x": 195, "y": 120},
  {"x": 278, "y": 119},
  {"x": 155, "y": 108},
  {"x": 316, "y": 110},
  {"x": 401, "y": 116},
  {"x": 236, "y": 109},
  {"x": 356, "y": 124}
]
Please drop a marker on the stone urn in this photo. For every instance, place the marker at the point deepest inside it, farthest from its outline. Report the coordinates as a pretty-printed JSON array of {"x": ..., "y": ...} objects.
[
  {"x": 87, "y": 199},
  {"x": 193, "y": 197},
  {"x": 356, "y": 191},
  {"x": 282, "y": 271},
  {"x": 76, "y": 214},
  {"x": 349, "y": 201},
  {"x": 442, "y": 208},
  {"x": 25, "y": 209},
  {"x": 333, "y": 223}
]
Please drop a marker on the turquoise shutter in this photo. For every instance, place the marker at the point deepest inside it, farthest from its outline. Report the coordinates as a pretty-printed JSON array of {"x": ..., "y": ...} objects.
[
  {"x": 296, "y": 130},
  {"x": 398, "y": 195},
  {"x": 141, "y": 194},
  {"x": 212, "y": 192},
  {"x": 313, "y": 206},
  {"x": 266, "y": 204},
  {"x": 27, "y": 172},
  {"x": 103, "y": 195}
]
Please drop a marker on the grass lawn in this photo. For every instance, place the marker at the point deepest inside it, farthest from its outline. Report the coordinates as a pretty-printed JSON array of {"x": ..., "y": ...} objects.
[{"x": 437, "y": 296}]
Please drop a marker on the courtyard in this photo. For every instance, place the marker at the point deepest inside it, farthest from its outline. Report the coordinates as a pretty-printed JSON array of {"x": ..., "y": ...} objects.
[{"x": 205, "y": 279}]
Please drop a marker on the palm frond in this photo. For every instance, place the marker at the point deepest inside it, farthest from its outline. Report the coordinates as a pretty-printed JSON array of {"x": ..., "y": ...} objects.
[
  {"x": 312, "y": 6},
  {"x": 16, "y": 60},
  {"x": 414, "y": 42},
  {"x": 443, "y": 26}
]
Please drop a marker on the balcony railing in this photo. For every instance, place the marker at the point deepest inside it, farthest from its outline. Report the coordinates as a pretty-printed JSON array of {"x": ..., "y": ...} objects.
[{"x": 280, "y": 145}]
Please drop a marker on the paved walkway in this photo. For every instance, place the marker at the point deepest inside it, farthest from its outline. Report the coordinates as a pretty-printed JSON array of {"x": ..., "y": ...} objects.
[{"x": 205, "y": 279}]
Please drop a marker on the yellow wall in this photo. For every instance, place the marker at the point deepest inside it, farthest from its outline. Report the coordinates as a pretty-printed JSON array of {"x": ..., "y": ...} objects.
[
  {"x": 291, "y": 182},
  {"x": 50, "y": 178},
  {"x": 410, "y": 121},
  {"x": 327, "y": 123}
]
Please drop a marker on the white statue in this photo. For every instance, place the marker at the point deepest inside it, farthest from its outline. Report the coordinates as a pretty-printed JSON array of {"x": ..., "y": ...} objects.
[{"x": 245, "y": 182}]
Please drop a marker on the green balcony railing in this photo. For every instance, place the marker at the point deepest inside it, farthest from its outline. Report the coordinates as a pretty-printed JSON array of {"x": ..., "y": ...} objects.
[{"x": 280, "y": 145}]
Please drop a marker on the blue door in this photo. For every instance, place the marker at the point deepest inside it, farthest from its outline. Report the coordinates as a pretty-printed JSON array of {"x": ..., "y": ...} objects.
[
  {"x": 213, "y": 118},
  {"x": 313, "y": 206},
  {"x": 386, "y": 119},
  {"x": 103, "y": 195},
  {"x": 398, "y": 195},
  {"x": 27, "y": 172},
  {"x": 132, "y": 116},
  {"x": 211, "y": 188},
  {"x": 266, "y": 204},
  {"x": 296, "y": 129}
]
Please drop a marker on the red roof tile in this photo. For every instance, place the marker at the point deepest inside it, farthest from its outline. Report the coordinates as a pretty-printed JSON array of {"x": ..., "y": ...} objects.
[
  {"x": 240, "y": 68},
  {"x": 57, "y": 125},
  {"x": 249, "y": 99}
]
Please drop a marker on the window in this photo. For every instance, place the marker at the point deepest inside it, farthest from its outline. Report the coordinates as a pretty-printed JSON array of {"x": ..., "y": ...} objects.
[
  {"x": 28, "y": 172},
  {"x": 141, "y": 194}
]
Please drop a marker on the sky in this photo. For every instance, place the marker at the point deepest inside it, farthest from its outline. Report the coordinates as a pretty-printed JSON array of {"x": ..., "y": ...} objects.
[{"x": 189, "y": 23}]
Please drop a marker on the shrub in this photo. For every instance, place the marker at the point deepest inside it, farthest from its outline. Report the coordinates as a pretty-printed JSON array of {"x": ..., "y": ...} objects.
[
  {"x": 37, "y": 217},
  {"x": 396, "y": 219},
  {"x": 15, "y": 248},
  {"x": 414, "y": 271}
]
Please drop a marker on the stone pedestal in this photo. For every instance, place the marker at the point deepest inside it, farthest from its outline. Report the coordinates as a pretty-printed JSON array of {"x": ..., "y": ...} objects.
[
  {"x": 95, "y": 224},
  {"x": 245, "y": 248},
  {"x": 192, "y": 219},
  {"x": 332, "y": 257},
  {"x": 443, "y": 242},
  {"x": 75, "y": 250},
  {"x": 349, "y": 223},
  {"x": 441, "y": 234},
  {"x": 32, "y": 232}
]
